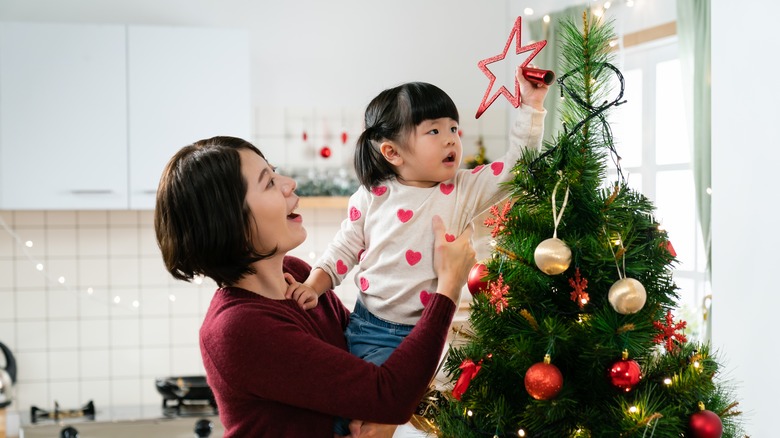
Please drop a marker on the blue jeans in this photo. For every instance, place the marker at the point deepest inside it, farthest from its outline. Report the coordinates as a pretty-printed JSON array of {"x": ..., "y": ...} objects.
[{"x": 373, "y": 340}]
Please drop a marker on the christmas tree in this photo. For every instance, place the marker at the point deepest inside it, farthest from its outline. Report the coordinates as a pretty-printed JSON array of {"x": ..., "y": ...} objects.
[{"x": 572, "y": 327}]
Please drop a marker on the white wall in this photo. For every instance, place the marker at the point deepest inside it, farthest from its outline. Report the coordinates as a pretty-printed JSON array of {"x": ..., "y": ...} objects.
[{"x": 745, "y": 159}]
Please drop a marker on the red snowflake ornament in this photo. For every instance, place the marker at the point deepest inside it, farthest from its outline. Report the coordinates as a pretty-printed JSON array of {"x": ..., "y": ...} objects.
[
  {"x": 514, "y": 99},
  {"x": 668, "y": 332},
  {"x": 499, "y": 221},
  {"x": 497, "y": 292},
  {"x": 579, "y": 284}
]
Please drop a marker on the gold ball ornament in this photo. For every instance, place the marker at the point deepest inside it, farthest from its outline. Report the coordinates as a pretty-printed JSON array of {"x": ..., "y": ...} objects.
[
  {"x": 552, "y": 256},
  {"x": 627, "y": 296}
]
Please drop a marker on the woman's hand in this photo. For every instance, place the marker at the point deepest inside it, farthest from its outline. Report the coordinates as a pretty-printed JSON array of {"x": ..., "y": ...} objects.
[
  {"x": 360, "y": 429},
  {"x": 453, "y": 258}
]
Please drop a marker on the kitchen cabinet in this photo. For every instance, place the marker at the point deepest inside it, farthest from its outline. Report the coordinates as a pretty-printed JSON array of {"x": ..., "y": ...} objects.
[
  {"x": 185, "y": 84},
  {"x": 90, "y": 114},
  {"x": 63, "y": 116}
]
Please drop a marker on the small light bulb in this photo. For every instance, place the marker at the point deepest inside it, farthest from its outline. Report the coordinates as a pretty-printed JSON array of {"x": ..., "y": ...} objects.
[
  {"x": 469, "y": 413},
  {"x": 90, "y": 291},
  {"x": 117, "y": 299},
  {"x": 521, "y": 432},
  {"x": 667, "y": 381},
  {"x": 39, "y": 266},
  {"x": 696, "y": 364},
  {"x": 630, "y": 3},
  {"x": 546, "y": 19},
  {"x": 198, "y": 280},
  {"x": 613, "y": 43},
  {"x": 136, "y": 304},
  {"x": 633, "y": 409},
  {"x": 598, "y": 13},
  {"x": 528, "y": 11},
  {"x": 61, "y": 280},
  {"x": 709, "y": 190},
  {"x": 607, "y": 5},
  {"x": 28, "y": 244},
  {"x": 172, "y": 297},
  {"x": 312, "y": 255}
]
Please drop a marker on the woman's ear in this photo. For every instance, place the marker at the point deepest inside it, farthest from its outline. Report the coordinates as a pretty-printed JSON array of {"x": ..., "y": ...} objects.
[{"x": 390, "y": 152}]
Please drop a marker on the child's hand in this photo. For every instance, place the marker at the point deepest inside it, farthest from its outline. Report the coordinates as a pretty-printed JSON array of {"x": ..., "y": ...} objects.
[
  {"x": 531, "y": 93},
  {"x": 304, "y": 295}
]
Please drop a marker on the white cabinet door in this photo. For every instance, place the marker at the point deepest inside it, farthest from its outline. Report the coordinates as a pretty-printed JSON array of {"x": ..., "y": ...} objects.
[
  {"x": 185, "y": 84},
  {"x": 63, "y": 116}
]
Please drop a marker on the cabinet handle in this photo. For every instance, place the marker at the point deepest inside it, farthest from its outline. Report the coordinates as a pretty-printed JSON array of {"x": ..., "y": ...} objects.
[{"x": 92, "y": 192}]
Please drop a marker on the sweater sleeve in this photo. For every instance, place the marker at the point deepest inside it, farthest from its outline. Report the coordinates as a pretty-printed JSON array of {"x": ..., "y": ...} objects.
[
  {"x": 483, "y": 186},
  {"x": 299, "y": 369},
  {"x": 344, "y": 250}
]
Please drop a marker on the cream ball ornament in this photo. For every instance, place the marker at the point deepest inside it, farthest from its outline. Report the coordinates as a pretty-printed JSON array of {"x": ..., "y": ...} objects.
[
  {"x": 627, "y": 296},
  {"x": 552, "y": 256}
]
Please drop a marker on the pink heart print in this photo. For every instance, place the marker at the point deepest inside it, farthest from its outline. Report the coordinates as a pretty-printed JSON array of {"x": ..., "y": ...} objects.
[
  {"x": 449, "y": 237},
  {"x": 363, "y": 284},
  {"x": 425, "y": 296},
  {"x": 405, "y": 215},
  {"x": 497, "y": 167},
  {"x": 341, "y": 268},
  {"x": 379, "y": 191},
  {"x": 446, "y": 188},
  {"x": 413, "y": 257},
  {"x": 354, "y": 214},
  {"x": 477, "y": 169}
]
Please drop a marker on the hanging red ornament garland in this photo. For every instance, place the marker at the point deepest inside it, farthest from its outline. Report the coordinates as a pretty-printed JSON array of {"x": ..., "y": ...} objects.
[
  {"x": 705, "y": 424},
  {"x": 476, "y": 279},
  {"x": 514, "y": 99},
  {"x": 543, "y": 380},
  {"x": 625, "y": 373},
  {"x": 325, "y": 152},
  {"x": 344, "y": 137}
]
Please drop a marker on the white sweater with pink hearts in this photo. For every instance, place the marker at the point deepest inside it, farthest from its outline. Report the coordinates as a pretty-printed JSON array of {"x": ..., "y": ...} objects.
[{"x": 388, "y": 234}]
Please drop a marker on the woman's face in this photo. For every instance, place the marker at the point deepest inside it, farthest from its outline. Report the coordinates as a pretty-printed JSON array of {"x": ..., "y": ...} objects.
[{"x": 272, "y": 201}]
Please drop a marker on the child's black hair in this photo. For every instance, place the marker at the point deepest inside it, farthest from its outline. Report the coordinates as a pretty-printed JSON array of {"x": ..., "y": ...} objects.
[{"x": 393, "y": 115}]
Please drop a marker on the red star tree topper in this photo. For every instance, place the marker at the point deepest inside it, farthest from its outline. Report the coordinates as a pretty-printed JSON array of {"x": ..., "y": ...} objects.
[{"x": 514, "y": 99}]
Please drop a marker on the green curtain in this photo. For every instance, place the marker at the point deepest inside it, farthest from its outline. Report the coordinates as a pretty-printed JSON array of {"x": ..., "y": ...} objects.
[
  {"x": 549, "y": 58},
  {"x": 693, "y": 33}
]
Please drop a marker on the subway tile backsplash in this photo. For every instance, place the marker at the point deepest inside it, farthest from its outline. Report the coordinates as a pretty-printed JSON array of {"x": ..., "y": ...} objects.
[{"x": 100, "y": 318}]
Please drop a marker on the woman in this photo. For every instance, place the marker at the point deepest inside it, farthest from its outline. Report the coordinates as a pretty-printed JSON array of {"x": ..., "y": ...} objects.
[{"x": 276, "y": 369}]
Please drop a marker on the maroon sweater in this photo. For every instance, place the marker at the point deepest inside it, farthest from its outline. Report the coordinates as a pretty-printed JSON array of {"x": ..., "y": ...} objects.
[{"x": 279, "y": 371}]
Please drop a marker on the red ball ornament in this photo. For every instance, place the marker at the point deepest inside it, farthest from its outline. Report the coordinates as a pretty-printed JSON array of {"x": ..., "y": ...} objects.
[
  {"x": 705, "y": 424},
  {"x": 543, "y": 380},
  {"x": 344, "y": 137},
  {"x": 476, "y": 280},
  {"x": 325, "y": 152},
  {"x": 625, "y": 374}
]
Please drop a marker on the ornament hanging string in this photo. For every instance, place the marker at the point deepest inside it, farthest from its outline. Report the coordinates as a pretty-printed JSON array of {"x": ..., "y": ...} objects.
[
  {"x": 654, "y": 420},
  {"x": 622, "y": 252},
  {"x": 556, "y": 216}
]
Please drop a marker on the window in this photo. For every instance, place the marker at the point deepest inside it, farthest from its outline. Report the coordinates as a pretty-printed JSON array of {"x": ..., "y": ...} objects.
[{"x": 651, "y": 135}]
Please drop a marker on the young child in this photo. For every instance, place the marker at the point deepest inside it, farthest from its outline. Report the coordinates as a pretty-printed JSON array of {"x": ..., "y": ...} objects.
[{"x": 407, "y": 161}]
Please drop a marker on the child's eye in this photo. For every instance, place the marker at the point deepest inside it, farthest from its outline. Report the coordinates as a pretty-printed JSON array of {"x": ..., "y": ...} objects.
[
  {"x": 271, "y": 183},
  {"x": 433, "y": 131},
  {"x": 454, "y": 129}
]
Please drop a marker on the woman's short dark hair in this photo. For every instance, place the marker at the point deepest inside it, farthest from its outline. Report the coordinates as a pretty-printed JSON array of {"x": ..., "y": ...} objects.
[
  {"x": 393, "y": 115},
  {"x": 201, "y": 219}
]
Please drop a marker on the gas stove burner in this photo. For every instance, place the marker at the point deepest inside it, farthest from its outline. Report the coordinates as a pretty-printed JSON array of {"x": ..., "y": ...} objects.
[{"x": 37, "y": 414}]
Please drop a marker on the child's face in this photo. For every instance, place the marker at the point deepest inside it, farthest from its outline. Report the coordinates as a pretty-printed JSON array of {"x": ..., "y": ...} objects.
[{"x": 434, "y": 153}]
